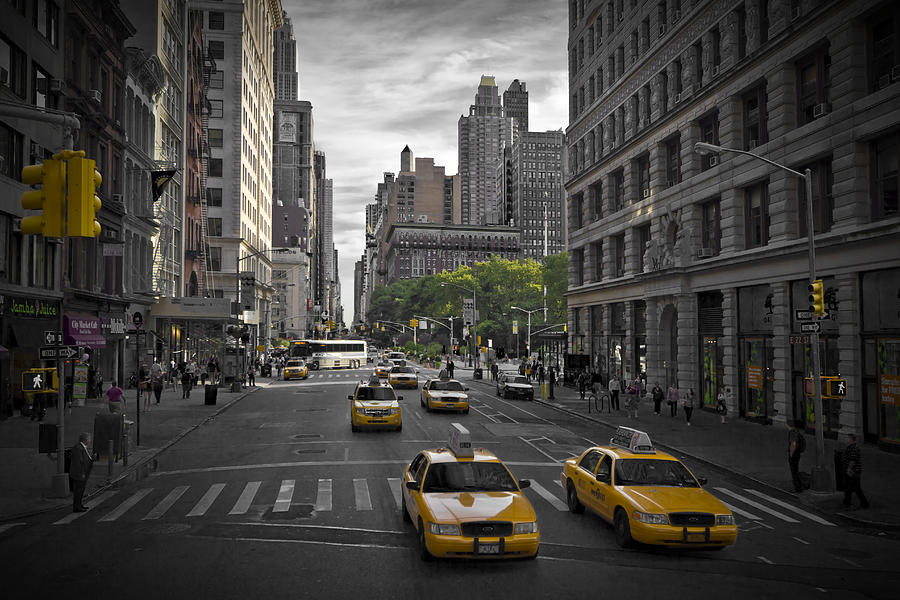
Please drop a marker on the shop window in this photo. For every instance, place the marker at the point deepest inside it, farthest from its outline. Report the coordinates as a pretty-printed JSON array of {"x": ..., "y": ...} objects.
[
  {"x": 756, "y": 130},
  {"x": 756, "y": 215},
  {"x": 885, "y": 158},
  {"x": 823, "y": 200},
  {"x": 813, "y": 83}
]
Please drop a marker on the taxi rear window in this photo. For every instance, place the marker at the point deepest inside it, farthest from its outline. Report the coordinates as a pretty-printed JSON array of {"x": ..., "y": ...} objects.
[
  {"x": 375, "y": 393},
  {"x": 650, "y": 471},
  {"x": 468, "y": 476}
]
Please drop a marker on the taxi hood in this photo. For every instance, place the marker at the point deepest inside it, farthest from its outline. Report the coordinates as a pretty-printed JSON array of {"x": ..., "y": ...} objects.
[
  {"x": 664, "y": 499},
  {"x": 526, "y": 386},
  {"x": 377, "y": 403},
  {"x": 448, "y": 394},
  {"x": 468, "y": 506}
]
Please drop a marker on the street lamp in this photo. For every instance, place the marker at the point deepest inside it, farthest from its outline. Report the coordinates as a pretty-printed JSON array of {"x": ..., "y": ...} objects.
[
  {"x": 436, "y": 322},
  {"x": 821, "y": 476},
  {"x": 529, "y": 312},
  {"x": 474, "y": 316}
]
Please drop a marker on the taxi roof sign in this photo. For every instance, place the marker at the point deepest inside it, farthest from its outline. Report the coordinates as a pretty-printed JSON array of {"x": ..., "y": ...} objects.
[
  {"x": 460, "y": 441},
  {"x": 633, "y": 440}
]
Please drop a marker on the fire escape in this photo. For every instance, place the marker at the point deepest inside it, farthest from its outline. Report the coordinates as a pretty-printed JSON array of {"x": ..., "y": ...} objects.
[{"x": 209, "y": 67}]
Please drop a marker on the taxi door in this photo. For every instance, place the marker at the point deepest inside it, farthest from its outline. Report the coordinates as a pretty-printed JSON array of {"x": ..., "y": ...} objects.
[
  {"x": 414, "y": 472},
  {"x": 585, "y": 479},
  {"x": 603, "y": 488},
  {"x": 426, "y": 394}
]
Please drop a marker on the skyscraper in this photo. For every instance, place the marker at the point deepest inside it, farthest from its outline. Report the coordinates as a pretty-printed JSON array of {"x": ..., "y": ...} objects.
[
  {"x": 284, "y": 63},
  {"x": 515, "y": 104},
  {"x": 482, "y": 135}
]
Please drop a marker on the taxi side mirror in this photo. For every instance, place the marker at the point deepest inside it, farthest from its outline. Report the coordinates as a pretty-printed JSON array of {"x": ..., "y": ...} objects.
[
  {"x": 399, "y": 398},
  {"x": 702, "y": 480},
  {"x": 465, "y": 389},
  {"x": 524, "y": 483},
  {"x": 603, "y": 477},
  {"x": 412, "y": 485},
  {"x": 350, "y": 397}
]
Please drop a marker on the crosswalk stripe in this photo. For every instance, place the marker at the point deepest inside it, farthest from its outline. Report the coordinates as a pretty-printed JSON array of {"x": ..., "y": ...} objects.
[
  {"x": 761, "y": 507},
  {"x": 548, "y": 496},
  {"x": 11, "y": 525},
  {"x": 243, "y": 503},
  {"x": 166, "y": 503},
  {"x": 361, "y": 491},
  {"x": 207, "y": 500},
  {"x": 285, "y": 494},
  {"x": 791, "y": 508},
  {"x": 125, "y": 506},
  {"x": 95, "y": 502},
  {"x": 738, "y": 511},
  {"x": 394, "y": 484},
  {"x": 323, "y": 495}
]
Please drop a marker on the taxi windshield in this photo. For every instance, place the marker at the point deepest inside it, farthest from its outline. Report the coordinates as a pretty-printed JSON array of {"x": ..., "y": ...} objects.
[
  {"x": 649, "y": 471},
  {"x": 375, "y": 393},
  {"x": 295, "y": 363},
  {"x": 403, "y": 370},
  {"x": 468, "y": 477},
  {"x": 516, "y": 379},
  {"x": 447, "y": 386}
]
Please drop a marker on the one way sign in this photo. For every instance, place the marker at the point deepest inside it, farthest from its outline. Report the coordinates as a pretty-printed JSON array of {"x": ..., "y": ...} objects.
[{"x": 52, "y": 337}]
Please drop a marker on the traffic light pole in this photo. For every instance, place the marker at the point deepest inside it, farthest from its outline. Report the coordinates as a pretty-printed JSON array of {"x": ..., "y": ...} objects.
[{"x": 60, "y": 484}]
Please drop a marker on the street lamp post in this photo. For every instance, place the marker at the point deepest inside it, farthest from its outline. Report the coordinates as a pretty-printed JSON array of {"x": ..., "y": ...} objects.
[
  {"x": 474, "y": 317},
  {"x": 529, "y": 312},
  {"x": 821, "y": 476}
]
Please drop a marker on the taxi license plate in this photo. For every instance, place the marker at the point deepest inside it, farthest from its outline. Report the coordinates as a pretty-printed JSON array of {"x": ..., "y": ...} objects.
[
  {"x": 696, "y": 537},
  {"x": 488, "y": 548}
]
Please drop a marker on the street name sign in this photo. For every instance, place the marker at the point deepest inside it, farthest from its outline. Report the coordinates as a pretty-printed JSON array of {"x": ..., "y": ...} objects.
[
  {"x": 51, "y": 352},
  {"x": 810, "y": 327},
  {"x": 809, "y": 315}
]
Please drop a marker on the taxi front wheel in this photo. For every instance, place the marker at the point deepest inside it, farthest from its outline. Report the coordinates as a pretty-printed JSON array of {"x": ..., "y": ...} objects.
[
  {"x": 424, "y": 554},
  {"x": 623, "y": 529},
  {"x": 572, "y": 500}
]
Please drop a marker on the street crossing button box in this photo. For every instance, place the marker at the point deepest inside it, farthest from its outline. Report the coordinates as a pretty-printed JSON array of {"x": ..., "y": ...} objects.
[
  {"x": 460, "y": 442},
  {"x": 633, "y": 440}
]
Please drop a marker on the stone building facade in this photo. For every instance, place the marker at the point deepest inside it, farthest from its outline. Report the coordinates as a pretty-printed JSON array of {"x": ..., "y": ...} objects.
[{"x": 690, "y": 267}]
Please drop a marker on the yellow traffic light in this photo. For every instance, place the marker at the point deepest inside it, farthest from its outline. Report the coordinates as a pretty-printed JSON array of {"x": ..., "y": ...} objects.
[
  {"x": 50, "y": 199},
  {"x": 817, "y": 297},
  {"x": 82, "y": 197}
]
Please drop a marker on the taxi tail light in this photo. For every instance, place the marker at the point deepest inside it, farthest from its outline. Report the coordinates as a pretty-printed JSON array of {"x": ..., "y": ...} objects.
[
  {"x": 525, "y": 528},
  {"x": 650, "y": 518},
  {"x": 724, "y": 519}
]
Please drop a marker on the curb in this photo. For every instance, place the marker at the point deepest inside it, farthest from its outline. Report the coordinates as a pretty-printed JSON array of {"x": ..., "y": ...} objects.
[
  {"x": 674, "y": 449},
  {"x": 134, "y": 466}
]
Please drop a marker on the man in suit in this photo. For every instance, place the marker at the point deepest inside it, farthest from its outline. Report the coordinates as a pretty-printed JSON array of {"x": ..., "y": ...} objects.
[{"x": 80, "y": 470}]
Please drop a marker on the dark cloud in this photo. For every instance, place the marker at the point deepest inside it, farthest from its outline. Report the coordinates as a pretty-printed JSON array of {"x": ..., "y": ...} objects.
[{"x": 382, "y": 74}]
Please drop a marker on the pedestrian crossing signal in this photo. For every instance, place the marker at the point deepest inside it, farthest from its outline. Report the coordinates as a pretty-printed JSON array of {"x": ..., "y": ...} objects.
[{"x": 836, "y": 388}]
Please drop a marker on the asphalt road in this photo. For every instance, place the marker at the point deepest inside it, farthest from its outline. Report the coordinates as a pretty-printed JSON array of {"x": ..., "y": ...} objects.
[{"x": 276, "y": 498}]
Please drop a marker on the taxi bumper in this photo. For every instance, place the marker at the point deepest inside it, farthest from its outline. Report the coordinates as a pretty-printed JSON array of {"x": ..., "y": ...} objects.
[
  {"x": 404, "y": 383},
  {"x": 295, "y": 375},
  {"x": 672, "y": 535},
  {"x": 376, "y": 420},
  {"x": 513, "y": 546},
  {"x": 435, "y": 404}
]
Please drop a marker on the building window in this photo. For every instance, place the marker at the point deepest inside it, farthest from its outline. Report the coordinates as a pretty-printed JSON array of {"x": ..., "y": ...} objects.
[
  {"x": 716, "y": 47},
  {"x": 823, "y": 200},
  {"x": 215, "y": 138},
  {"x": 214, "y": 196},
  {"x": 578, "y": 211},
  {"x": 617, "y": 181},
  {"x": 710, "y": 232},
  {"x": 215, "y": 167},
  {"x": 884, "y": 47},
  {"x": 741, "y": 32},
  {"x": 595, "y": 192},
  {"x": 662, "y": 17},
  {"x": 756, "y": 215},
  {"x": 13, "y": 70},
  {"x": 642, "y": 235},
  {"x": 590, "y": 90},
  {"x": 216, "y": 20},
  {"x": 597, "y": 260},
  {"x": 697, "y": 49},
  {"x": 10, "y": 152},
  {"x": 885, "y": 186},
  {"x": 709, "y": 133},
  {"x": 578, "y": 260},
  {"x": 813, "y": 82},
  {"x": 619, "y": 255},
  {"x": 642, "y": 165},
  {"x": 217, "y": 49},
  {"x": 756, "y": 130},
  {"x": 673, "y": 161},
  {"x": 46, "y": 20},
  {"x": 216, "y": 108},
  {"x": 215, "y": 258},
  {"x": 40, "y": 92},
  {"x": 217, "y": 80},
  {"x": 214, "y": 226}
]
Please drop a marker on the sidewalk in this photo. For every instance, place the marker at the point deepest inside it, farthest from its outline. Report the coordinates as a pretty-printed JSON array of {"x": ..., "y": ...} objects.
[
  {"x": 758, "y": 452},
  {"x": 25, "y": 475}
]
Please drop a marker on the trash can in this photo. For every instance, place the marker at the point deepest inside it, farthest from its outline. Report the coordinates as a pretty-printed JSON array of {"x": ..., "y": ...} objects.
[
  {"x": 209, "y": 397},
  {"x": 476, "y": 373},
  {"x": 839, "y": 470},
  {"x": 235, "y": 386}
]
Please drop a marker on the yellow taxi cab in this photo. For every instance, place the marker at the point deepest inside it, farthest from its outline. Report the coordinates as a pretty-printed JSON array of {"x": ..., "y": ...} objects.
[
  {"x": 375, "y": 404},
  {"x": 383, "y": 368},
  {"x": 648, "y": 496},
  {"x": 444, "y": 394},
  {"x": 403, "y": 376},
  {"x": 464, "y": 503},
  {"x": 295, "y": 369}
]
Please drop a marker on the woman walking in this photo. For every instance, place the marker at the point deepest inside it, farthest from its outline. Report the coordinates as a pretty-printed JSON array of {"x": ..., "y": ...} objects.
[
  {"x": 658, "y": 396},
  {"x": 721, "y": 407},
  {"x": 688, "y": 405},
  {"x": 146, "y": 388},
  {"x": 614, "y": 388},
  {"x": 672, "y": 400}
]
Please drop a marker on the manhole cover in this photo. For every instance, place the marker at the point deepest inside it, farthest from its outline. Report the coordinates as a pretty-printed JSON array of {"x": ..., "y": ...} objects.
[
  {"x": 310, "y": 451},
  {"x": 306, "y": 436}
]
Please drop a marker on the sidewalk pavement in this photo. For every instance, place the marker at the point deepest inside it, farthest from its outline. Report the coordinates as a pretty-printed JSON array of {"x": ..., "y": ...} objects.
[
  {"x": 758, "y": 452},
  {"x": 25, "y": 475}
]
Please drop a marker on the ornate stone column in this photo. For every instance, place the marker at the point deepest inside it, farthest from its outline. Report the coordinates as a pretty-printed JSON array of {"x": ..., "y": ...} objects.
[
  {"x": 752, "y": 25},
  {"x": 644, "y": 107},
  {"x": 728, "y": 28}
]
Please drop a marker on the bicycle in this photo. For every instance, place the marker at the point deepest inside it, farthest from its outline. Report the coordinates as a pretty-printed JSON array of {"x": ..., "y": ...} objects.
[{"x": 598, "y": 399}]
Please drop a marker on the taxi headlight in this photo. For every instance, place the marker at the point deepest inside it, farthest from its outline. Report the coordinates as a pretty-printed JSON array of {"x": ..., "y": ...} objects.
[
  {"x": 650, "y": 518},
  {"x": 525, "y": 528},
  {"x": 724, "y": 519},
  {"x": 443, "y": 528},
  {"x": 394, "y": 411},
  {"x": 360, "y": 410}
]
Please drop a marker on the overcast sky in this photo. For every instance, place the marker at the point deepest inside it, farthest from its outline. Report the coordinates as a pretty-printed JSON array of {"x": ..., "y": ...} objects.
[{"x": 382, "y": 74}]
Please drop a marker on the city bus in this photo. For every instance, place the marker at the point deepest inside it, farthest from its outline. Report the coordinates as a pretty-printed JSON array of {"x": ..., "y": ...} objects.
[{"x": 330, "y": 354}]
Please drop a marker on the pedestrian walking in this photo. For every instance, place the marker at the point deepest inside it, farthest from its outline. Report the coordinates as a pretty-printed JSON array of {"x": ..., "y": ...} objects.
[
  {"x": 79, "y": 471},
  {"x": 99, "y": 383},
  {"x": 251, "y": 376},
  {"x": 721, "y": 406},
  {"x": 187, "y": 382},
  {"x": 528, "y": 371},
  {"x": 632, "y": 401},
  {"x": 521, "y": 367},
  {"x": 852, "y": 463},
  {"x": 615, "y": 386},
  {"x": 157, "y": 379},
  {"x": 687, "y": 403},
  {"x": 114, "y": 398},
  {"x": 450, "y": 367},
  {"x": 146, "y": 387},
  {"x": 541, "y": 374},
  {"x": 582, "y": 383},
  {"x": 796, "y": 446},
  {"x": 672, "y": 400},
  {"x": 551, "y": 381},
  {"x": 494, "y": 371},
  {"x": 658, "y": 396}
]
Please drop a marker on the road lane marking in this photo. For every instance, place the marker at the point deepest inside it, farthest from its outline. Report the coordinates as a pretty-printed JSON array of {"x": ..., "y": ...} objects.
[
  {"x": 323, "y": 496},
  {"x": 9, "y": 526},
  {"x": 765, "y": 560},
  {"x": 246, "y": 499},
  {"x": 791, "y": 508},
  {"x": 403, "y": 532},
  {"x": 849, "y": 562},
  {"x": 739, "y": 511},
  {"x": 207, "y": 500},
  {"x": 394, "y": 485},
  {"x": 285, "y": 494},
  {"x": 361, "y": 491},
  {"x": 125, "y": 506},
  {"x": 548, "y": 496},
  {"x": 761, "y": 507},
  {"x": 802, "y": 541},
  {"x": 346, "y": 453},
  {"x": 484, "y": 414},
  {"x": 310, "y": 542},
  {"x": 536, "y": 448},
  {"x": 330, "y": 463},
  {"x": 166, "y": 503},
  {"x": 95, "y": 502}
]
